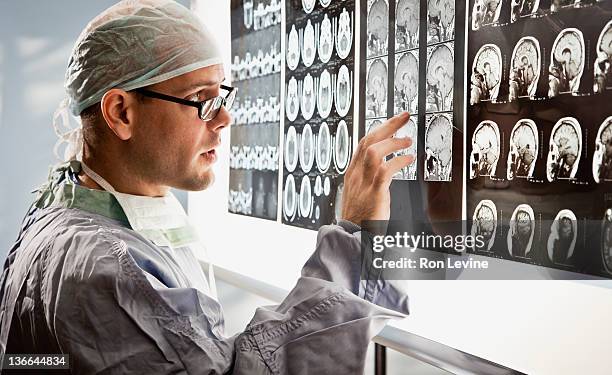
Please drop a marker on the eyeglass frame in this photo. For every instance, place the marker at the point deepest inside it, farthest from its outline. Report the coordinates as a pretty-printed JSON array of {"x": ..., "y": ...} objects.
[{"x": 231, "y": 93}]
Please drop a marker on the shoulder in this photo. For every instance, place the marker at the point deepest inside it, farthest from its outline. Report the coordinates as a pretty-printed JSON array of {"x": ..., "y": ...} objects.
[
  {"x": 75, "y": 244},
  {"x": 89, "y": 259}
]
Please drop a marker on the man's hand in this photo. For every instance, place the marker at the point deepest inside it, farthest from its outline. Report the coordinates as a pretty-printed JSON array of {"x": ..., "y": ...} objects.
[{"x": 367, "y": 179}]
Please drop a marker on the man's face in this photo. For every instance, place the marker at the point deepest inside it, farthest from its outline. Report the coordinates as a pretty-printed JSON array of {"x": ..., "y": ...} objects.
[{"x": 171, "y": 145}]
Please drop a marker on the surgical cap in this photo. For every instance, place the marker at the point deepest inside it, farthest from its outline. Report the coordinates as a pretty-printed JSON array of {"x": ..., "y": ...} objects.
[{"x": 133, "y": 44}]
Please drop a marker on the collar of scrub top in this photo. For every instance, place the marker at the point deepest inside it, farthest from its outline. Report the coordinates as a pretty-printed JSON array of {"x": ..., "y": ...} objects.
[
  {"x": 63, "y": 190},
  {"x": 207, "y": 109}
]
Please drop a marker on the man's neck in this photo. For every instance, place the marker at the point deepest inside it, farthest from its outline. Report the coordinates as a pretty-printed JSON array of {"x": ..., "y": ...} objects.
[{"x": 120, "y": 179}]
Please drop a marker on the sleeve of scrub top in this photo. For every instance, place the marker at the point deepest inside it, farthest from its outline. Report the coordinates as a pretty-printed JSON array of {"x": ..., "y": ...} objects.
[{"x": 116, "y": 318}]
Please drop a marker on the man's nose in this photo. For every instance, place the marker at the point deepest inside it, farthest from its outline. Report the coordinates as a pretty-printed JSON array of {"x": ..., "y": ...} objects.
[{"x": 221, "y": 121}]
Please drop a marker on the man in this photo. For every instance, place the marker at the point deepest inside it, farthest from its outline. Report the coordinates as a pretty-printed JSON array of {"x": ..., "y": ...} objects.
[{"x": 104, "y": 268}]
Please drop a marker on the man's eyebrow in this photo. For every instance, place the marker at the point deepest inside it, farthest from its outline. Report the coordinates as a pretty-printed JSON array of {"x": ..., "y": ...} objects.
[{"x": 201, "y": 85}]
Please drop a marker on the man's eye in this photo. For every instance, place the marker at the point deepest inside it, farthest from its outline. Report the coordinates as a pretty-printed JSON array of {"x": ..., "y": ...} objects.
[
  {"x": 194, "y": 97},
  {"x": 198, "y": 96}
]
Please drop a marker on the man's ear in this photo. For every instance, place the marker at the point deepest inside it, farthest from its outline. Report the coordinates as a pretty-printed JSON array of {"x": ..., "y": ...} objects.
[{"x": 117, "y": 109}]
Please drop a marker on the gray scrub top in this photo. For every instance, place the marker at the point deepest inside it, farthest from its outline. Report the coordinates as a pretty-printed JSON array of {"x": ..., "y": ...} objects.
[{"x": 79, "y": 280}]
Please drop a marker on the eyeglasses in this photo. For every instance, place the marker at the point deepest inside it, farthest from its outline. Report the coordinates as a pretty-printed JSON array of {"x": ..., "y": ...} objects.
[{"x": 207, "y": 109}]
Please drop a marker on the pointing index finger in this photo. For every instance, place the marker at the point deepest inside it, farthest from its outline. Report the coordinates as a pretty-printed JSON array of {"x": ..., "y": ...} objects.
[{"x": 389, "y": 128}]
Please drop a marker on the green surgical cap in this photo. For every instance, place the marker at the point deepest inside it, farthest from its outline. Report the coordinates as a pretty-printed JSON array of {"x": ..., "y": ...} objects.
[{"x": 133, "y": 44}]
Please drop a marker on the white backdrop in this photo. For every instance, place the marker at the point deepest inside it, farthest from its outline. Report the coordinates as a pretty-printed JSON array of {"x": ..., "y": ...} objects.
[{"x": 537, "y": 327}]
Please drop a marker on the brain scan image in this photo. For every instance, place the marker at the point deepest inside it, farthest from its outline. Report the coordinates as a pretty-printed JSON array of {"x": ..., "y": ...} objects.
[
  {"x": 247, "y": 5},
  {"x": 484, "y": 223},
  {"x": 408, "y": 130},
  {"x": 562, "y": 238},
  {"x": 523, "y": 8},
  {"x": 522, "y": 229},
  {"x": 289, "y": 198},
  {"x": 325, "y": 3},
  {"x": 556, "y": 5},
  {"x": 307, "y": 148},
  {"x": 406, "y": 83},
  {"x": 326, "y": 40},
  {"x": 318, "y": 187},
  {"x": 603, "y": 63},
  {"x": 602, "y": 159},
  {"x": 523, "y": 150},
  {"x": 376, "y": 88},
  {"x": 407, "y": 16},
  {"x": 308, "y": 44},
  {"x": 371, "y": 125},
  {"x": 440, "y": 73},
  {"x": 293, "y": 49},
  {"x": 378, "y": 27},
  {"x": 291, "y": 149},
  {"x": 485, "y": 150},
  {"x": 272, "y": 200},
  {"x": 485, "y": 12},
  {"x": 338, "y": 202},
  {"x": 564, "y": 150},
  {"x": 342, "y": 147},
  {"x": 486, "y": 74},
  {"x": 260, "y": 197},
  {"x": 606, "y": 240},
  {"x": 344, "y": 37},
  {"x": 525, "y": 70},
  {"x": 344, "y": 91},
  {"x": 326, "y": 186},
  {"x": 305, "y": 197},
  {"x": 440, "y": 20},
  {"x": 292, "y": 101},
  {"x": 324, "y": 151},
  {"x": 567, "y": 63},
  {"x": 308, "y": 90},
  {"x": 438, "y": 147},
  {"x": 325, "y": 96},
  {"x": 308, "y": 5}
]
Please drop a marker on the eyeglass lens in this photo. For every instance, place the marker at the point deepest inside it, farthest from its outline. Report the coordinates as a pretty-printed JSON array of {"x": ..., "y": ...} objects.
[{"x": 211, "y": 108}]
